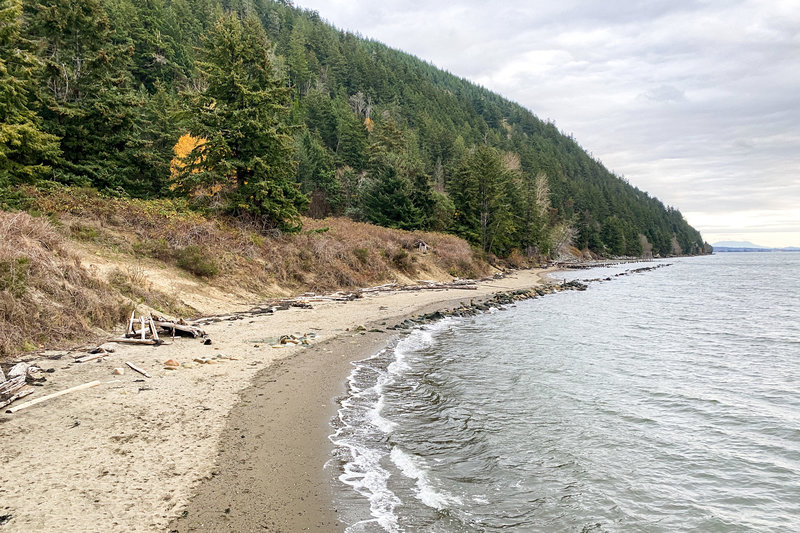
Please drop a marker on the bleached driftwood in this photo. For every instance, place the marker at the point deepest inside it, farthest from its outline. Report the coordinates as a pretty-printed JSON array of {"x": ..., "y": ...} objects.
[
  {"x": 10, "y": 386},
  {"x": 21, "y": 393},
  {"x": 54, "y": 395},
  {"x": 194, "y": 331},
  {"x": 92, "y": 357},
  {"x": 137, "y": 369},
  {"x": 20, "y": 369},
  {"x": 133, "y": 340},
  {"x": 130, "y": 323},
  {"x": 151, "y": 324}
]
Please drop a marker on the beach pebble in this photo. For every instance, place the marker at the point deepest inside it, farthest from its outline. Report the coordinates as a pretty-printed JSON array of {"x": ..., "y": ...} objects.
[
  {"x": 171, "y": 363},
  {"x": 118, "y": 371}
]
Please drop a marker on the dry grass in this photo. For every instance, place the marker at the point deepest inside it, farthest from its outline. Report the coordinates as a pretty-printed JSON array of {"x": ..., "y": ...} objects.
[
  {"x": 43, "y": 280},
  {"x": 46, "y": 297},
  {"x": 328, "y": 254},
  {"x": 134, "y": 284}
]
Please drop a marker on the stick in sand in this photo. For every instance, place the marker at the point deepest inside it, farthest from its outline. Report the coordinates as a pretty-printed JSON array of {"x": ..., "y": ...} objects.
[
  {"x": 54, "y": 395},
  {"x": 136, "y": 368}
]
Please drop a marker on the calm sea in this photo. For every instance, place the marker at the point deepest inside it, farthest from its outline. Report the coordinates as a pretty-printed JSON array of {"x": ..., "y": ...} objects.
[{"x": 656, "y": 402}]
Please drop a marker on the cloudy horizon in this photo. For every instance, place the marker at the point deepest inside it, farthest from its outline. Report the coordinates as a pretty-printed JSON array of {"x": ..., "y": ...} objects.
[{"x": 695, "y": 102}]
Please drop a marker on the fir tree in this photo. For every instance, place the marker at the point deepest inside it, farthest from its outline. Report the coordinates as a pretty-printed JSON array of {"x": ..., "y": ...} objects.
[
  {"x": 247, "y": 149},
  {"x": 85, "y": 89},
  {"x": 481, "y": 191},
  {"x": 24, "y": 148}
]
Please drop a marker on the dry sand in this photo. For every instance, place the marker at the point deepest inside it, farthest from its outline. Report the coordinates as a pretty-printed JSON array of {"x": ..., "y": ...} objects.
[{"x": 135, "y": 453}]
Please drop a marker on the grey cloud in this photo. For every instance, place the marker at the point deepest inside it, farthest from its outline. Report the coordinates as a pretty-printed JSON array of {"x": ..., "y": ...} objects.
[{"x": 696, "y": 102}]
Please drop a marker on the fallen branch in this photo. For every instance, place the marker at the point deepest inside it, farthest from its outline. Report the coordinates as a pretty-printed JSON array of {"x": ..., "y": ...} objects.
[
  {"x": 54, "y": 395},
  {"x": 137, "y": 369}
]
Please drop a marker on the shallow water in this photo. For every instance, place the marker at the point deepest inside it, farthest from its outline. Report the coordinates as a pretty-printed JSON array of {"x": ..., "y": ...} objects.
[{"x": 661, "y": 401}]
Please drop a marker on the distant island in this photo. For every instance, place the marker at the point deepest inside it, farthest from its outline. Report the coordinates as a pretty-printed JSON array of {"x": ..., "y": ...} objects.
[{"x": 746, "y": 246}]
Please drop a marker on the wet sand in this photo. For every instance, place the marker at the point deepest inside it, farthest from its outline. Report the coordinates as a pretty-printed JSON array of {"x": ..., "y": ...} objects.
[{"x": 234, "y": 446}]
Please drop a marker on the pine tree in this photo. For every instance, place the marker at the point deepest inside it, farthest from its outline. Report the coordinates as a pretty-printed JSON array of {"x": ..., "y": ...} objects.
[
  {"x": 481, "y": 190},
  {"x": 387, "y": 200},
  {"x": 248, "y": 149},
  {"x": 24, "y": 147},
  {"x": 85, "y": 89}
]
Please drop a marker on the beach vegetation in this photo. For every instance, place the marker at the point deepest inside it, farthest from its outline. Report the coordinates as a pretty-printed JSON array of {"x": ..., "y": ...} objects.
[{"x": 262, "y": 110}]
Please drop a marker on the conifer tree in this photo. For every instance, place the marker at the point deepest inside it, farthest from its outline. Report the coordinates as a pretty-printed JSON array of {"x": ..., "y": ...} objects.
[
  {"x": 85, "y": 89},
  {"x": 24, "y": 148},
  {"x": 241, "y": 113},
  {"x": 481, "y": 191}
]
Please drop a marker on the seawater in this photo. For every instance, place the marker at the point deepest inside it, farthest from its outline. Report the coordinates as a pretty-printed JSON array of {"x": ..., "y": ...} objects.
[{"x": 656, "y": 402}]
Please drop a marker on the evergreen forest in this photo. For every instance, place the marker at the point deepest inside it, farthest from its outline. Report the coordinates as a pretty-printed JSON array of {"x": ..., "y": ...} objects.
[{"x": 261, "y": 110}]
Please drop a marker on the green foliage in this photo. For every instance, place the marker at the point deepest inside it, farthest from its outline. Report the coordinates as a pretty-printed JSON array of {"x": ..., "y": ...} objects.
[
  {"x": 195, "y": 260},
  {"x": 482, "y": 191},
  {"x": 97, "y": 92},
  {"x": 85, "y": 92},
  {"x": 25, "y": 149},
  {"x": 317, "y": 175},
  {"x": 247, "y": 152},
  {"x": 387, "y": 201}
]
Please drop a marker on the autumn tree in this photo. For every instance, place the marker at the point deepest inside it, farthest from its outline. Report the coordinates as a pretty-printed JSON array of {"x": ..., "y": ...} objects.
[{"x": 241, "y": 113}]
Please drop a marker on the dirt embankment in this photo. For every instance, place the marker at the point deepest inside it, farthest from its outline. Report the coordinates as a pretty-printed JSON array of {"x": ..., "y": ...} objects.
[{"x": 81, "y": 267}]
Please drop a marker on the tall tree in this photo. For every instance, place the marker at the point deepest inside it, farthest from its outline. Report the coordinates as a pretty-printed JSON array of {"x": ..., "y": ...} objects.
[
  {"x": 481, "y": 191},
  {"x": 247, "y": 151},
  {"x": 86, "y": 92},
  {"x": 24, "y": 147}
]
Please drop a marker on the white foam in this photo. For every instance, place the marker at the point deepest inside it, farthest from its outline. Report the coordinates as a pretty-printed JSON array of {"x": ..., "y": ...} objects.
[
  {"x": 365, "y": 474},
  {"x": 361, "y": 421},
  {"x": 386, "y": 426},
  {"x": 413, "y": 468}
]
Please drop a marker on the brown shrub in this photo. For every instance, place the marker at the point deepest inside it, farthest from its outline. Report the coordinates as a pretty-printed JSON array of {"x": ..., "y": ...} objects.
[
  {"x": 329, "y": 254},
  {"x": 46, "y": 297}
]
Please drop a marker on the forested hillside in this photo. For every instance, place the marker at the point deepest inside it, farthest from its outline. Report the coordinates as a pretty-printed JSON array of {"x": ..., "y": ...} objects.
[{"x": 258, "y": 109}]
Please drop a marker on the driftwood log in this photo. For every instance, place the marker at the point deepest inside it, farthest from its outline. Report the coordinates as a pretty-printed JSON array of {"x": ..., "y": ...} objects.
[
  {"x": 21, "y": 393},
  {"x": 10, "y": 386},
  {"x": 192, "y": 331},
  {"x": 54, "y": 395},
  {"x": 133, "y": 340},
  {"x": 92, "y": 357}
]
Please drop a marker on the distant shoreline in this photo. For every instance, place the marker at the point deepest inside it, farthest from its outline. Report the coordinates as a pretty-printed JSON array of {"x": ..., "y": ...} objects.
[{"x": 725, "y": 250}]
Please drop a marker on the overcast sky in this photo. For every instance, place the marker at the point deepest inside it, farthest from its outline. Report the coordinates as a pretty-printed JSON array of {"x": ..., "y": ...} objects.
[{"x": 696, "y": 102}]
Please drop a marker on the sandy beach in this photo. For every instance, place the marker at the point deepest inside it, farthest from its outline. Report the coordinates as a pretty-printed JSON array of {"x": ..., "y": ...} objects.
[{"x": 235, "y": 445}]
